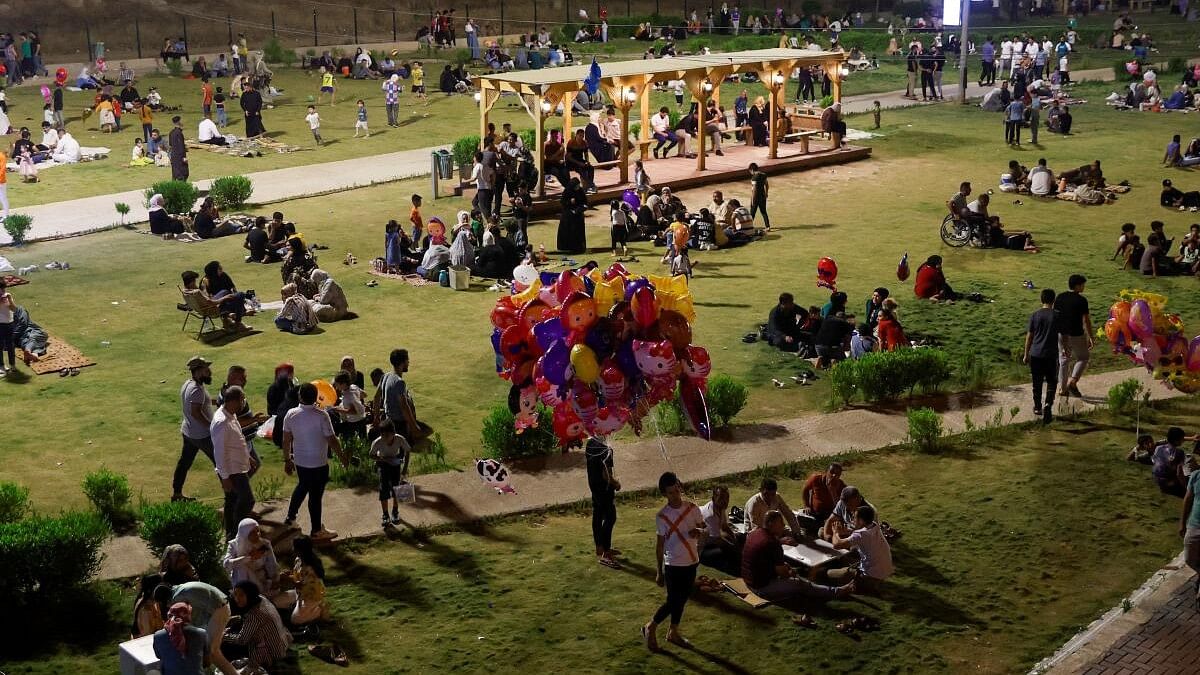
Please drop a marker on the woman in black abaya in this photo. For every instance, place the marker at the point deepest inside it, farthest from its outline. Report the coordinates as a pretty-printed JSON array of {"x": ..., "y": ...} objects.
[
  {"x": 571, "y": 235},
  {"x": 251, "y": 102}
]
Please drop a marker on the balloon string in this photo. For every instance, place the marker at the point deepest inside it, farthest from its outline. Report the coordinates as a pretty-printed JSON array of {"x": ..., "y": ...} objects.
[{"x": 662, "y": 444}]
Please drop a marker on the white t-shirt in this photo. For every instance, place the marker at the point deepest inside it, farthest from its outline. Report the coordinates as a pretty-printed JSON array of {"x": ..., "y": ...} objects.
[
  {"x": 208, "y": 130},
  {"x": 352, "y": 400},
  {"x": 1041, "y": 181},
  {"x": 712, "y": 519},
  {"x": 193, "y": 392},
  {"x": 311, "y": 430},
  {"x": 314, "y": 120},
  {"x": 660, "y": 123},
  {"x": 230, "y": 453},
  {"x": 875, "y": 555},
  {"x": 679, "y": 548},
  {"x": 1006, "y": 49},
  {"x": 50, "y": 138},
  {"x": 1063, "y": 64}
]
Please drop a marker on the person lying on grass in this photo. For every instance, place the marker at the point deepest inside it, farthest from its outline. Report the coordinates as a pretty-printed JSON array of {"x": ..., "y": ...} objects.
[
  {"x": 996, "y": 236},
  {"x": 766, "y": 572}
]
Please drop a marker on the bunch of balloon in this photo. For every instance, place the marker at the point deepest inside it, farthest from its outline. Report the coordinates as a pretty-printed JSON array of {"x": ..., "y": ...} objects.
[
  {"x": 600, "y": 348},
  {"x": 1138, "y": 325}
]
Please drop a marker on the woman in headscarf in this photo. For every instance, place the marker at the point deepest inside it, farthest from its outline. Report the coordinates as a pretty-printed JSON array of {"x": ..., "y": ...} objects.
[
  {"x": 329, "y": 302},
  {"x": 160, "y": 221},
  {"x": 251, "y": 103},
  {"x": 309, "y": 575},
  {"x": 462, "y": 251},
  {"x": 572, "y": 238},
  {"x": 262, "y": 632},
  {"x": 436, "y": 257},
  {"x": 296, "y": 315},
  {"x": 147, "y": 616},
  {"x": 176, "y": 566},
  {"x": 250, "y": 557},
  {"x": 757, "y": 116},
  {"x": 601, "y": 149},
  {"x": 181, "y": 648}
]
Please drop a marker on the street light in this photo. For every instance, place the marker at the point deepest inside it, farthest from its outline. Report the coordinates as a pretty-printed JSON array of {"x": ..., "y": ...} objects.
[
  {"x": 631, "y": 95},
  {"x": 706, "y": 85},
  {"x": 546, "y": 107},
  {"x": 844, "y": 70},
  {"x": 478, "y": 97},
  {"x": 777, "y": 78}
]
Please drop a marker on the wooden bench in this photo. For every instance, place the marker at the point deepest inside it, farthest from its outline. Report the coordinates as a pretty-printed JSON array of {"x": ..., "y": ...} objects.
[
  {"x": 643, "y": 146},
  {"x": 199, "y": 307},
  {"x": 803, "y": 137},
  {"x": 746, "y": 131}
]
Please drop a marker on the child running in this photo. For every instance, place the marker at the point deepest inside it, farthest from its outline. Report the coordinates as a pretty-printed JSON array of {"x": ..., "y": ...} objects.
[
  {"x": 314, "y": 123},
  {"x": 326, "y": 86},
  {"x": 391, "y": 453},
  {"x": 360, "y": 120}
]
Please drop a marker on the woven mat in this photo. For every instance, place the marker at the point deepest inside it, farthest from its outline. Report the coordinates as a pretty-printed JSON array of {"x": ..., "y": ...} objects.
[
  {"x": 410, "y": 279},
  {"x": 60, "y": 354},
  {"x": 11, "y": 280},
  {"x": 241, "y": 146}
]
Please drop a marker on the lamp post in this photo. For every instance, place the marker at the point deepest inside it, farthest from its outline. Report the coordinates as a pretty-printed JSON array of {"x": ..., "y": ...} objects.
[{"x": 962, "y": 54}]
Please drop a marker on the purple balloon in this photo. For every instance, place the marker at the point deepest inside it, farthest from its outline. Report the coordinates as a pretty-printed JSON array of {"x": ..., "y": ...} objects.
[
  {"x": 496, "y": 341},
  {"x": 631, "y": 198},
  {"x": 556, "y": 363},
  {"x": 601, "y": 339},
  {"x": 633, "y": 285},
  {"x": 548, "y": 332},
  {"x": 548, "y": 279},
  {"x": 626, "y": 361}
]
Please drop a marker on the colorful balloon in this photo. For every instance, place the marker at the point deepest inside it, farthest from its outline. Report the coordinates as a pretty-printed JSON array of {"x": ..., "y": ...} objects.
[
  {"x": 1120, "y": 311},
  {"x": 584, "y": 363},
  {"x": 608, "y": 420},
  {"x": 1141, "y": 319},
  {"x": 697, "y": 365},
  {"x": 548, "y": 392},
  {"x": 645, "y": 307},
  {"x": 549, "y": 332},
  {"x": 526, "y": 275},
  {"x": 654, "y": 359},
  {"x": 326, "y": 395},
  {"x": 1193, "y": 355},
  {"x": 513, "y": 348},
  {"x": 584, "y": 401},
  {"x": 827, "y": 272},
  {"x": 505, "y": 313},
  {"x": 578, "y": 313},
  {"x": 672, "y": 326},
  {"x": 556, "y": 363},
  {"x": 695, "y": 409},
  {"x": 902, "y": 268},
  {"x": 567, "y": 426},
  {"x": 612, "y": 383}
]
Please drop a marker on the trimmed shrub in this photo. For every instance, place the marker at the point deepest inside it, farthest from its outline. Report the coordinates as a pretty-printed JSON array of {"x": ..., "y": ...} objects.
[
  {"x": 275, "y": 52},
  {"x": 46, "y": 557},
  {"x": 109, "y": 493},
  {"x": 1123, "y": 395},
  {"x": 231, "y": 192},
  {"x": 464, "y": 150},
  {"x": 192, "y": 525},
  {"x": 175, "y": 67},
  {"x": 17, "y": 225},
  {"x": 883, "y": 376},
  {"x": 462, "y": 57},
  {"x": 179, "y": 196},
  {"x": 122, "y": 210},
  {"x": 726, "y": 398},
  {"x": 500, "y": 439},
  {"x": 14, "y": 502},
  {"x": 669, "y": 419},
  {"x": 361, "y": 469},
  {"x": 974, "y": 373},
  {"x": 924, "y": 429}
]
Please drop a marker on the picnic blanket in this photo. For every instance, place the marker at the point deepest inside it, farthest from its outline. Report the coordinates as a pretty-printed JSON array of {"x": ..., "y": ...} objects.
[
  {"x": 11, "y": 280},
  {"x": 1110, "y": 192},
  {"x": 60, "y": 354},
  {"x": 410, "y": 279},
  {"x": 739, "y": 588},
  {"x": 245, "y": 147},
  {"x": 85, "y": 155}
]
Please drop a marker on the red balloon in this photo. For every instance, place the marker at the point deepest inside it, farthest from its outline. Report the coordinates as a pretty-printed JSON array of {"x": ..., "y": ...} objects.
[
  {"x": 514, "y": 347},
  {"x": 567, "y": 284},
  {"x": 645, "y": 307},
  {"x": 504, "y": 314},
  {"x": 567, "y": 426},
  {"x": 902, "y": 268},
  {"x": 674, "y": 326},
  {"x": 615, "y": 270},
  {"x": 534, "y": 312},
  {"x": 827, "y": 272}
]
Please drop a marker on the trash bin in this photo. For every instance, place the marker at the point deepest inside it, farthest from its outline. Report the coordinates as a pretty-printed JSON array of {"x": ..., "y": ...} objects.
[{"x": 445, "y": 164}]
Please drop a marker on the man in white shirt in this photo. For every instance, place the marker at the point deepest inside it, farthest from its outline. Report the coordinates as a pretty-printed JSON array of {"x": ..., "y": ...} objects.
[
  {"x": 1006, "y": 53},
  {"x": 208, "y": 133},
  {"x": 233, "y": 460},
  {"x": 874, "y": 553},
  {"x": 721, "y": 548},
  {"x": 767, "y": 499},
  {"x": 307, "y": 439},
  {"x": 49, "y": 138},
  {"x": 1018, "y": 53},
  {"x": 666, "y": 136},
  {"x": 68, "y": 151},
  {"x": 237, "y": 61},
  {"x": 1041, "y": 180}
]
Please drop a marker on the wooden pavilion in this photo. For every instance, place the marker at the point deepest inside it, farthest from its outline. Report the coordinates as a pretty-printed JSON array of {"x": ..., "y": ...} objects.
[{"x": 627, "y": 84}]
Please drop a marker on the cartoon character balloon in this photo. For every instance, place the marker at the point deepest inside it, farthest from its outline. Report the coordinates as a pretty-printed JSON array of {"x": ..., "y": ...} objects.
[
  {"x": 1139, "y": 326},
  {"x": 598, "y": 348},
  {"x": 495, "y": 475},
  {"x": 827, "y": 272},
  {"x": 902, "y": 268}
]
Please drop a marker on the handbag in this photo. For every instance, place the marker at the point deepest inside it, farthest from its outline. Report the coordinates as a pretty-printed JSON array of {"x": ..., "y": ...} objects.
[{"x": 405, "y": 493}]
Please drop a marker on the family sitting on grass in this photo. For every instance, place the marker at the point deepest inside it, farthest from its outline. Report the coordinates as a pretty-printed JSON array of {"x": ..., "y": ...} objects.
[
  {"x": 1154, "y": 257},
  {"x": 205, "y": 223},
  {"x": 831, "y": 334},
  {"x": 985, "y": 228},
  {"x": 1083, "y": 185}
]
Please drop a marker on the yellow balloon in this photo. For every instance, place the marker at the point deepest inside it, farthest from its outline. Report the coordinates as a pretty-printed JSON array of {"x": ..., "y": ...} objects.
[
  {"x": 519, "y": 299},
  {"x": 607, "y": 293},
  {"x": 583, "y": 361},
  {"x": 326, "y": 394}
]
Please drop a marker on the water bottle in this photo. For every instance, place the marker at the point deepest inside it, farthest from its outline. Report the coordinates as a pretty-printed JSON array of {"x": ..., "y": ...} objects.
[{"x": 444, "y": 278}]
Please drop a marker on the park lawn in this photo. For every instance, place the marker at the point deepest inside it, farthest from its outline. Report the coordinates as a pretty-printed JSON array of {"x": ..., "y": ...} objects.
[
  {"x": 864, "y": 215},
  {"x": 1008, "y": 548}
]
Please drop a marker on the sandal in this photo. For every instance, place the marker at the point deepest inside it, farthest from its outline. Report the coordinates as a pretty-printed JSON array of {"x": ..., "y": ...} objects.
[
  {"x": 330, "y": 654},
  {"x": 649, "y": 640},
  {"x": 609, "y": 563},
  {"x": 804, "y": 621}
]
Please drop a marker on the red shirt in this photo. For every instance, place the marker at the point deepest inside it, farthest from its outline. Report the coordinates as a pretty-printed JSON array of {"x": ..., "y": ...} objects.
[
  {"x": 929, "y": 282},
  {"x": 760, "y": 555},
  {"x": 822, "y": 492},
  {"x": 891, "y": 334},
  {"x": 206, "y": 93}
]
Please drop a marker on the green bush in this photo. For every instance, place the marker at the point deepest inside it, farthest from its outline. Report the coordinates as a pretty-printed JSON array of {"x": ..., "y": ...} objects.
[
  {"x": 46, "y": 557},
  {"x": 1176, "y": 64},
  {"x": 231, "y": 192},
  {"x": 726, "y": 398},
  {"x": 17, "y": 225},
  {"x": 174, "y": 67},
  {"x": 924, "y": 429},
  {"x": 109, "y": 493},
  {"x": 501, "y": 441},
  {"x": 275, "y": 52},
  {"x": 1124, "y": 395},
  {"x": 361, "y": 470},
  {"x": 1119, "y": 72},
  {"x": 871, "y": 42},
  {"x": 529, "y": 138},
  {"x": 464, "y": 150},
  {"x": 826, "y": 101},
  {"x": 14, "y": 502},
  {"x": 192, "y": 525},
  {"x": 179, "y": 196},
  {"x": 433, "y": 459},
  {"x": 974, "y": 373},
  {"x": 883, "y": 376},
  {"x": 750, "y": 41},
  {"x": 122, "y": 210},
  {"x": 462, "y": 57},
  {"x": 668, "y": 418}
]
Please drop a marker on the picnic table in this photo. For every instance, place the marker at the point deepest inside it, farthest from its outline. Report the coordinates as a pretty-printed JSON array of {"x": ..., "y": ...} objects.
[{"x": 809, "y": 552}]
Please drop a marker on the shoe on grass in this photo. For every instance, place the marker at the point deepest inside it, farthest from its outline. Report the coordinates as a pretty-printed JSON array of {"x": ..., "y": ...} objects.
[{"x": 324, "y": 535}]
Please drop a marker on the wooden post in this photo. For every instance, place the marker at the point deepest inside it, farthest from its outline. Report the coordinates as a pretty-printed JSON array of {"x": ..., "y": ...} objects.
[
  {"x": 644, "y": 131},
  {"x": 624, "y": 147},
  {"x": 837, "y": 82},
  {"x": 701, "y": 104},
  {"x": 772, "y": 130},
  {"x": 539, "y": 142},
  {"x": 568, "y": 101}
]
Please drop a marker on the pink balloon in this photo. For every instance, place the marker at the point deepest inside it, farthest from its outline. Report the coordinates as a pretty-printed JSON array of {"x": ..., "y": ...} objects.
[
  {"x": 612, "y": 383},
  {"x": 698, "y": 365},
  {"x": 654, "y": 359},
  {"x": 1193, "y": 354},
  {"x": 608, "y": 420},
  {"x": 584, "y": 402},
  {"x": 691, "y": 398},
  {"x": 1150, "y": 353},
  {"x": 1141, "y": 320}
]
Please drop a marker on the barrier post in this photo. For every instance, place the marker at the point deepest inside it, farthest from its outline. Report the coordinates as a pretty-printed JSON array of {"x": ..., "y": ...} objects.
[
  {"x": 316, "y": 41},
  {"x": 137, "y": 35}
]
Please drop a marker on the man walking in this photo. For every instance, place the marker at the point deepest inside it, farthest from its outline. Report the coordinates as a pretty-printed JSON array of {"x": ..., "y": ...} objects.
[
  {"x": 987, "y": 55},
  {"x": 758, "y": 198},
  {"x": 397, "y": 402},
  {"x": 1035, "y": 117},
  {"x": 178, "y": 148},
  {"x": 197, "y": 417},
  {"x": 1014, "y": 116},
  {"x": 232, "y": 457},
  {"x": 911, "y": 65},
  {"x": 1041, "y": 354},
  {"x": 1075, "y": 335},
  {"x": 603, "y": 486},
  {"x": 307, "y": 440}
]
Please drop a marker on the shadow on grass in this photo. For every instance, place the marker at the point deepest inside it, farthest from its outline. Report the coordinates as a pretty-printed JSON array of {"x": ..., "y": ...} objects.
[
  {"x": 666, "y": 650},
  {"x": 385, "y": 582},
  {"x": 723, "y": 304},
  {"x": 226, "y": 337},
  {"x": 97, "y": 623},
  {"x": 721, "y": 601},
  {"x": 451, "y": 511},
  {"x": 910, "y": 559}
]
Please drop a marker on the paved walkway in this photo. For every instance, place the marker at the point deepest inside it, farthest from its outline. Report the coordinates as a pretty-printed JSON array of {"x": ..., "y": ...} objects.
[
  {"x": 91, "y": 214},
  {"x": 460, "y": 497}
]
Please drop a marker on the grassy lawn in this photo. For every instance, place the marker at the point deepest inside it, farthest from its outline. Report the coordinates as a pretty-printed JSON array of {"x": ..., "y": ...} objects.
[
  {"x": 124, "y": 413},
  {"x": 1009, "y": 547}
]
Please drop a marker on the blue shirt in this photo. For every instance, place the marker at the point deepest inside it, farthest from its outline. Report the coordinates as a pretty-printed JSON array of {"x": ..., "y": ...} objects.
[
  {"x": 1016, "y": 111},
  {"x": 362, "y": 114},
  {"x": 174, "y": 663},
  {"x": 1165, "y": 458},
  {"x": 988, "y": 52}
]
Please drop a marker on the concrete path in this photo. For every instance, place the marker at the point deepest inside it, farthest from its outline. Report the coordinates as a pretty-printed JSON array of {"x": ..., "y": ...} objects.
[
  {"x": 460, "y": 497},
  {"x": 91, "y": 214}
]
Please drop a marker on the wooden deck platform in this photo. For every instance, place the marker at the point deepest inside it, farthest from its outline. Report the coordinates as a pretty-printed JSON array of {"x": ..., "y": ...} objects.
[{"x": 680, "y": 173}]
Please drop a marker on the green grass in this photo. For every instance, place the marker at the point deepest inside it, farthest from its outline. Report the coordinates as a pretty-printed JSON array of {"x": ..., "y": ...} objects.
[
  {"x": 1008, "y": 549},
  {"x": 864, "y": 215}
]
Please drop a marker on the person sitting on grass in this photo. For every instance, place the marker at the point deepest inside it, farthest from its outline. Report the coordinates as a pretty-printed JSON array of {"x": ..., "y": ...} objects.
[
  {"x": 1167, "y": 461},
  {"x": 209, "y": 134},
  {"x": 1041, "y": 180},
  {"x": 832, "y": 339},
  {"x": 250, "y": 557},
  {"x": 231, "y": 305},
  {"x": 147, "y": 615},
  {"x": 767, "y": 499},
  {"x": 931, "y": 283},
  {"x": 298, "y": 262},
  {"x": 874, "y": 553},
  {"x": 1143, "y": 452},
  {"x": 722, "y": 548},
  {"x": 161, "y": 223},
  {"x": 309, "y": 576},
  {"x": 258, "y": 243},
  {"x": 296, "y": 316},
  {"x": 210, "y": 609},
  {"x": 843, "y": 511},
  {"x": 329, "y": 302},
  {"x": 208, "y": 224},
  {"x": 1125, "y": 241},
  {"x": 783, "y": 324},
  {"x": 1188, "y": 261},
  {"x": 891, "y": 333},
  {"x": 766, "y": 572},
  {"x": 1155, "y": 261},
  {"x": 260, "y": 631},
  {"x": 181, "y": 648},
  {"x": 176, "y": 566},
  {"x": 1173, "y": 197},
  {"x": 821, "y": 493}
]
